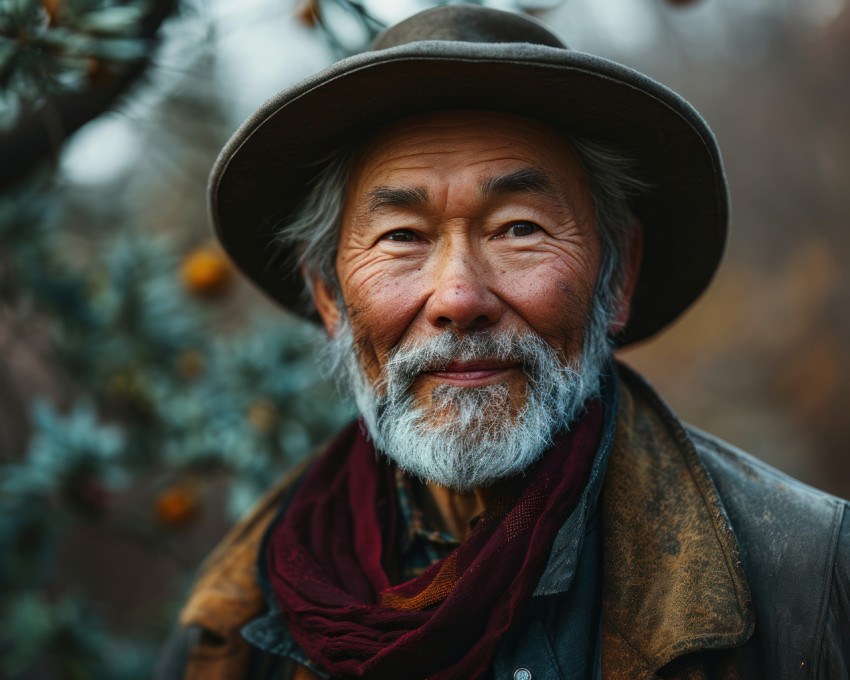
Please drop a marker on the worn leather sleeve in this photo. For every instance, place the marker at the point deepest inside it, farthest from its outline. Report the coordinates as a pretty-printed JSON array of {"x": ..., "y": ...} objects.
[{"x": 834, "y": 657}]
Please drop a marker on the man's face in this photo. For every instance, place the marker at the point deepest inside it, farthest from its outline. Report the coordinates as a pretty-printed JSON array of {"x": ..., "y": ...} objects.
[
  {"x": 466, "y": 221},
  {"x": 468, "y": 259}
]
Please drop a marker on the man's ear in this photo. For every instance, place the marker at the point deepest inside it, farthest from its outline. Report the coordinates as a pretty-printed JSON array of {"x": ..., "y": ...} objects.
[
  {"x": 324, "y": 297},
  {"x": 633, "y": 259}
]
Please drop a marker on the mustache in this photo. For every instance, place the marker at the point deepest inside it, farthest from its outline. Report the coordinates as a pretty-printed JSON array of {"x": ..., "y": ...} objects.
[{"x": 406, "y": 362}]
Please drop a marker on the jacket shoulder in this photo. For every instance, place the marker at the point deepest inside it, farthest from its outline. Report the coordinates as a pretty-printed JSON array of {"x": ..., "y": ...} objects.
[
  {"x": 207, "y": 643},
  {"x": 746, "y": 479},
  {"x": 748, "y": 485},
  {"x": 226, "y": 593},
  {"x": 794, "y": 542}
]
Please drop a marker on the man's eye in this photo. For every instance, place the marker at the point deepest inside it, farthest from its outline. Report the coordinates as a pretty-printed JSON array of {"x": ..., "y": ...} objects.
[
  {"x": 402, "y": 235},
  {"x": 518, "y": 229}
]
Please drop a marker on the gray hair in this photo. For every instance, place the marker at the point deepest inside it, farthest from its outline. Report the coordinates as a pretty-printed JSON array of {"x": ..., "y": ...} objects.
[{"x": 313, "y": 229}]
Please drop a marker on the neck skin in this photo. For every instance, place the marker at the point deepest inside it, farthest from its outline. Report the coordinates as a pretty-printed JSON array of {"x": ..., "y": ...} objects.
[{"x": 452, "y": 512}]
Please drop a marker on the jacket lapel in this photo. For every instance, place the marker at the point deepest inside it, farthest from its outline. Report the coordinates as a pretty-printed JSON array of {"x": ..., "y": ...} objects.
[{"x": 673, "y": 582}]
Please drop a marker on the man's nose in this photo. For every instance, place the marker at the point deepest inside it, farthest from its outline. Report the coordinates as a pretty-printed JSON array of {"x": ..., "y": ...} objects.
[{"x": 462, "y": 297}]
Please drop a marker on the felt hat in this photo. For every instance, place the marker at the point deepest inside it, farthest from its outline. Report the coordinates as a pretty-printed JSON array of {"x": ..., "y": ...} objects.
[{"x": 471, "y": 57}]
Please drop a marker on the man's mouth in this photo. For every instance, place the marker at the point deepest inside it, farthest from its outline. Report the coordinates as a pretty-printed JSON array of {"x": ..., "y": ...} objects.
[{"x": 473, "y": 373}]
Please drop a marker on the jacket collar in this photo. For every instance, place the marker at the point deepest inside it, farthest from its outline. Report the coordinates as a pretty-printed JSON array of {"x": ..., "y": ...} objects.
[{"x": 673, "y": 582}]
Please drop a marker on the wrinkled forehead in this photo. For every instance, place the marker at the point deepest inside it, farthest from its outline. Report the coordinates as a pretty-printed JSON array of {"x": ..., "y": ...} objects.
[{"x": 468, "y": 143}]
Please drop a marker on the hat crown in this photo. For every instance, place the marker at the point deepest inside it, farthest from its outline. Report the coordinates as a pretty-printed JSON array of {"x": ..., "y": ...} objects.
[{"x": 467, "y": 23}]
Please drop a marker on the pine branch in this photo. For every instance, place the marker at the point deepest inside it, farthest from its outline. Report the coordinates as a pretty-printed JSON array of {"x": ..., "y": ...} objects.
[{"x": 41, "y": 130}]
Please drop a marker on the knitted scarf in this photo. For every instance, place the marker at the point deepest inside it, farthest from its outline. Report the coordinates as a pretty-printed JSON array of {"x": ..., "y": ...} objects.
[{"x": 328, "y": 559}]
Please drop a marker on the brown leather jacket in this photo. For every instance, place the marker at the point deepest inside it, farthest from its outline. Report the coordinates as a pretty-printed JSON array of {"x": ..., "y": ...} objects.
[{"x": 714, "y": 565}]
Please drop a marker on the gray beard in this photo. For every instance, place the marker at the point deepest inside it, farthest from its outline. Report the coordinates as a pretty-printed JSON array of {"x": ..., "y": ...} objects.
[{"x": 471, "y": 437}]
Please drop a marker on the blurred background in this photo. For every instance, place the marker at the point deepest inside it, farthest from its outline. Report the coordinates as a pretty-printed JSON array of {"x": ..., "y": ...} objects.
[{"x": 149, "y": 395}]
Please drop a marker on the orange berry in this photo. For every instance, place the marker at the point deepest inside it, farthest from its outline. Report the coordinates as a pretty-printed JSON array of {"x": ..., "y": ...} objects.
[
  {"x": 52, "y": 9},
  {"x": 177, "y": 506},
  {"x": 206, "y": 272},
  {"x": 98, "y": 71},
  {"x": 262, "y": 414},
  {"x": 307, "y": 13},
  {"x": 190, "y": 364}
]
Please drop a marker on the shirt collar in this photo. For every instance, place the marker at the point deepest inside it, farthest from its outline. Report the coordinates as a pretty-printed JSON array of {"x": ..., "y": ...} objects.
[
  {"x": 413, "y": 518},
  {"x": 561, "y": 567}
]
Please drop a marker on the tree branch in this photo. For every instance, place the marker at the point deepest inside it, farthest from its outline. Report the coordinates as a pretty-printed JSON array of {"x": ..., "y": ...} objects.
[{"x": 42, "y": 131}]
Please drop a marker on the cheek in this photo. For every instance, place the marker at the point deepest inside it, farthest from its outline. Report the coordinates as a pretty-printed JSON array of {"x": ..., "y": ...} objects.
[
  {"x": 555, "y": 302},
  {"x": 381, "y": 306}
]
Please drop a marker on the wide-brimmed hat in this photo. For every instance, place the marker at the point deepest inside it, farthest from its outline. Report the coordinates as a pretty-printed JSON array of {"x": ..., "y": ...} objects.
[{"x": 471, "y": 57}]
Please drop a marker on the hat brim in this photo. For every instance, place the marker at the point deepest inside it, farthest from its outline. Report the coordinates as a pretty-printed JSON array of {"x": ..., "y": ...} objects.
[{"x": 266, "y": 167}]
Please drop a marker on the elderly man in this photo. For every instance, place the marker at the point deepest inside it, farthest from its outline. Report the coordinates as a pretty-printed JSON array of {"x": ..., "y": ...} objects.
[{"x": 481, "y": 216}]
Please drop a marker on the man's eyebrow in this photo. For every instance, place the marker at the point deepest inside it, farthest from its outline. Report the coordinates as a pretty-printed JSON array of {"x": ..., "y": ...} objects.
[
  {"x": 397, "y": 197},
  {"x": 527, "y": 180}
]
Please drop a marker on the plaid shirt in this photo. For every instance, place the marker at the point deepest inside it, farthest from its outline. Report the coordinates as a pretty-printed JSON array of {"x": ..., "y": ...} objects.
[{"x": 421, "y": 546}]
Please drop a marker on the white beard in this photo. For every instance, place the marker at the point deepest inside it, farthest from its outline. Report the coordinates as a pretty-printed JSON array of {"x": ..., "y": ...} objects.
[{"x": 471, "y": 437}]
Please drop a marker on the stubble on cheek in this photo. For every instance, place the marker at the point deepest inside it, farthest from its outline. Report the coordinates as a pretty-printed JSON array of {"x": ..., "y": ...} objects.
[
  {"x": 364, "y": 349},
  {"x": 578, "y": 307}
]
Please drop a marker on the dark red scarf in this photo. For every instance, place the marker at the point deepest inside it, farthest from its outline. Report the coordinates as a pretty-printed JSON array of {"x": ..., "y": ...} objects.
[{"x": 326, "y": 565}]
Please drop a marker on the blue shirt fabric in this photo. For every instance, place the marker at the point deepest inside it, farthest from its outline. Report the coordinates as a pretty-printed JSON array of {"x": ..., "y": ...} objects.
[{"x": 558, "y": 634}]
